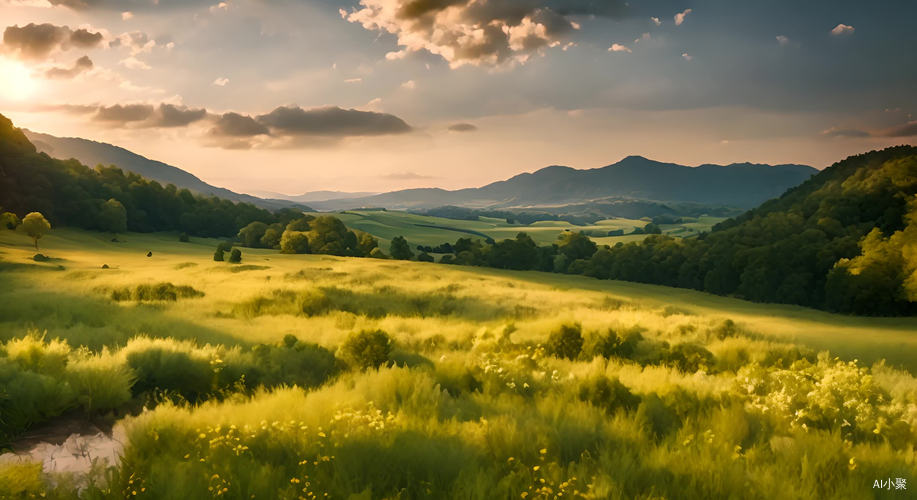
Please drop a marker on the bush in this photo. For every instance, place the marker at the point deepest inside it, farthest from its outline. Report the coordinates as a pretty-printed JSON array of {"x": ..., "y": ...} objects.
[
  {"x": 607, "y": 393},
  {"x": 184, "y": 238},
  {"x": 164, "y": 291},
  {"x": 39, "y": 257},
  {"x": 567, "y": 342},
  {"x": 100, "y": 383},
  {"x": 218, "y": 255},
  {"x": 425, "y": 257},
  {"x": 294, "y": 362},
  {"x": 689, "y": 358},
  {"x": 236, "y": 256},
  {"x": 366, "y": 349},
  {"x": 163, "y": 365}
]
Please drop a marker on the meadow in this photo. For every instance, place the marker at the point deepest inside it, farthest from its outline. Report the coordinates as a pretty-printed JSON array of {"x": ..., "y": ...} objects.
[
  {"x": 431, "y": 231},
  {"x": 312, "y": 376}
]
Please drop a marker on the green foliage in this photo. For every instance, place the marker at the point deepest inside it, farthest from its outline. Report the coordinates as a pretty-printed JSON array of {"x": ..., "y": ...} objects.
[
  {"x": 366, "y": 349},
  {"x": 235, "y": 256},
  {"x": 608, "y": 394},
  {"x": 252, "y": 234},
  {"x": 218, "y": 254},
  {"x": 566, "y": 342},
  {"x": 9, "y": 220},
  {"x": 294, "y": 242},
  {"x": 425, "y": 257},
  {"x": 112, "y": 217},
  {"x": 163, "y": 291},
  {"x": 35, "y": 226},
  {"x": 400, "y": 249}
]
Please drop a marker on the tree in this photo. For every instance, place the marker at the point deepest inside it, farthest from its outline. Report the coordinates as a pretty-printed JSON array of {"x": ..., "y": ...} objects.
[
  {"x": 218, "y": 254},
  {"x": 252, "y": 234},
  {"x": 113, "y": 217},
  {"x": 367, "y": 349},
  {"x": 35, "y": 226},
  {"x": 400, "y": 249},
  {"x": 294, "y": 242},
  {"x": 235, "y": 256},
  {"x": 425, "y": 257},
  {"x": 9, "y": 220},
  {"x": 272, "y": 235}
]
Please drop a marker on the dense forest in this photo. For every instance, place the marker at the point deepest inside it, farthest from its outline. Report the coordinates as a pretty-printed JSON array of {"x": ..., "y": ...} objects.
[
  {"x": 845, "y": 240},
  {"x": 71, "y": 194}
]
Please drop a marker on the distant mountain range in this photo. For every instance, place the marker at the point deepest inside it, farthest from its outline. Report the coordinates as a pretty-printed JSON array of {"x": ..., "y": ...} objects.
[
  {"x": 740, "y": 185},
  {"x": 94, "y": 153},
  {"x": 635, "y": 178}
]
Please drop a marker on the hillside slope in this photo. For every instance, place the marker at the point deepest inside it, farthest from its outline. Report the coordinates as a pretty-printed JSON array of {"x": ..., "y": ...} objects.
[
  {"x": 742, "y": 185},
  {"x": 844, "y": 240},
  {"x": 99, "y": 153}
]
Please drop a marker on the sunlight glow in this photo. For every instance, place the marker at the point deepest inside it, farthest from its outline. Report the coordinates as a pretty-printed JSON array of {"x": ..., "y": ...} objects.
[{"x": 16, "y": 84}]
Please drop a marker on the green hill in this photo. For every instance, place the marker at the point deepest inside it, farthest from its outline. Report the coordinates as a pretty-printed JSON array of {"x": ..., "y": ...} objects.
[{"x": 844, "y": 240}]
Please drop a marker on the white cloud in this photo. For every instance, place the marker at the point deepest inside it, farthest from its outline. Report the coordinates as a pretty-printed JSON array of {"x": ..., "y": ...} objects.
[
  {"x": 680, "y": 17},
  {"x": 134, "y": 63},
  {"x": 643, "y": 38},
  {"x": 686, "y": 56},
  {"x": 127, "y": 15},
  {"x": 617, "y": 47},
  {"x": 782, "y": 40},
  {"x": 353, "y": 80},
  {"x": 656, "y": 21},
  {"x": 222, "y": 6},
  {"x": 410, "y": 85},
  {"x": 221, "y": 82},
  {"x": 842, "y": 29}
]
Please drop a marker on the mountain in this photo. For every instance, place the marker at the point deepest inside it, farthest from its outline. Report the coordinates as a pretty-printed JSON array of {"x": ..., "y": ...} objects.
[
  {"x": 96, "y": 153},
  {"x": 313, "y": 195},
  {"x": 844, "y": 240},
  {"x": 740, "y": 185}
]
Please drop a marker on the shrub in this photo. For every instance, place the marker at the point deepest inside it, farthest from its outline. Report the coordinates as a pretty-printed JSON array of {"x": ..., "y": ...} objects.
[
  {"x": 236, "y": 256},
  {"x": 166, "y": 365},
  {"x": 41, "y": 258},
  {"x": 184, "y": 238},
  {"x": 218, "y": 255},
  {"x": 689, "y": 357},
  {"x": 100, "y": 383},
  {"x": 294, "y": 362},
  {"x": 607, "y": 393},
  {"x": 366, "y": 349},
  {"x": 614, "y": 344},
  {"x": 164, "y": 291},
  {"x": 425, "y": 257},
  {"x": 566, "y": 342}
]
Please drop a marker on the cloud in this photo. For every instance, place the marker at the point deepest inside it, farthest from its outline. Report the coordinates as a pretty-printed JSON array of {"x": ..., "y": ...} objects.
[
  {"x": 842, "y": 30},
  {"x": 909, "y": 129},
  {"x": 478, "y": 33},
  {"x": 332, "y": 121},
  {"x": 353, "y": 80},
  {"x": 146, "y": 115},
  {"x": 221, "y": 82},
  {"x": 686, "y": 56},
  {"x": 37, "y": 41},
  {"x": 137, "y": 41},
  {"x": 656, "y": 21},
  {"x": 410, "y": 85},
  {"x": 236, "y": 125},
  {"x": 617, "y": 47},
  {"x": 406, "y": 176},
  {"x": 127, "y": 15},
  {"x": 680, "y": 17},
  {"x": 844, "y": 132},
  {"x": 462, "y": 127},
  {"x": 782, "y": 40},
  {"x": 81, "y": 65},
  {"x": 643, "y": 38},
  {"x": 134, "y": 63}
]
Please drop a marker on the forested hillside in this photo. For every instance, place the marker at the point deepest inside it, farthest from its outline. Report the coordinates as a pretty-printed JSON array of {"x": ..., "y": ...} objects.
[
  {"x": 845, "y": 240},
  {"x": 71, "y": 194}
]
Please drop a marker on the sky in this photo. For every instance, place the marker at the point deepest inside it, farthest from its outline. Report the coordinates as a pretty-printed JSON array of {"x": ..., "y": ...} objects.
[{"x": 290, "y": 96}]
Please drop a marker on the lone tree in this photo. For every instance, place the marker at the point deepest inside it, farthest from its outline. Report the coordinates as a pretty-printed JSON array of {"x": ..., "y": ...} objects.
[
  {"x": 9, "y": 220},
  {"x": 235, "y": 256},
  {"x": 218, "y": 254},
  {"x": 35, "y": 225},
  {"x": 113, "y": 217},
  {"x": 400, "y": 249}
]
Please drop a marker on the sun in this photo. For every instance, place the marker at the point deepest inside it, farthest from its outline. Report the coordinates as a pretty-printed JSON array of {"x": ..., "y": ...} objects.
[{"x": 16, "y": 84}]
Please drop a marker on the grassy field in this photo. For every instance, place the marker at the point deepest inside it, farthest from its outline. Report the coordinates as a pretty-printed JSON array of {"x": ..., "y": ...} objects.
[
  {"x": 432, "y": 231},
  {"x": 668, "y": 393}
]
